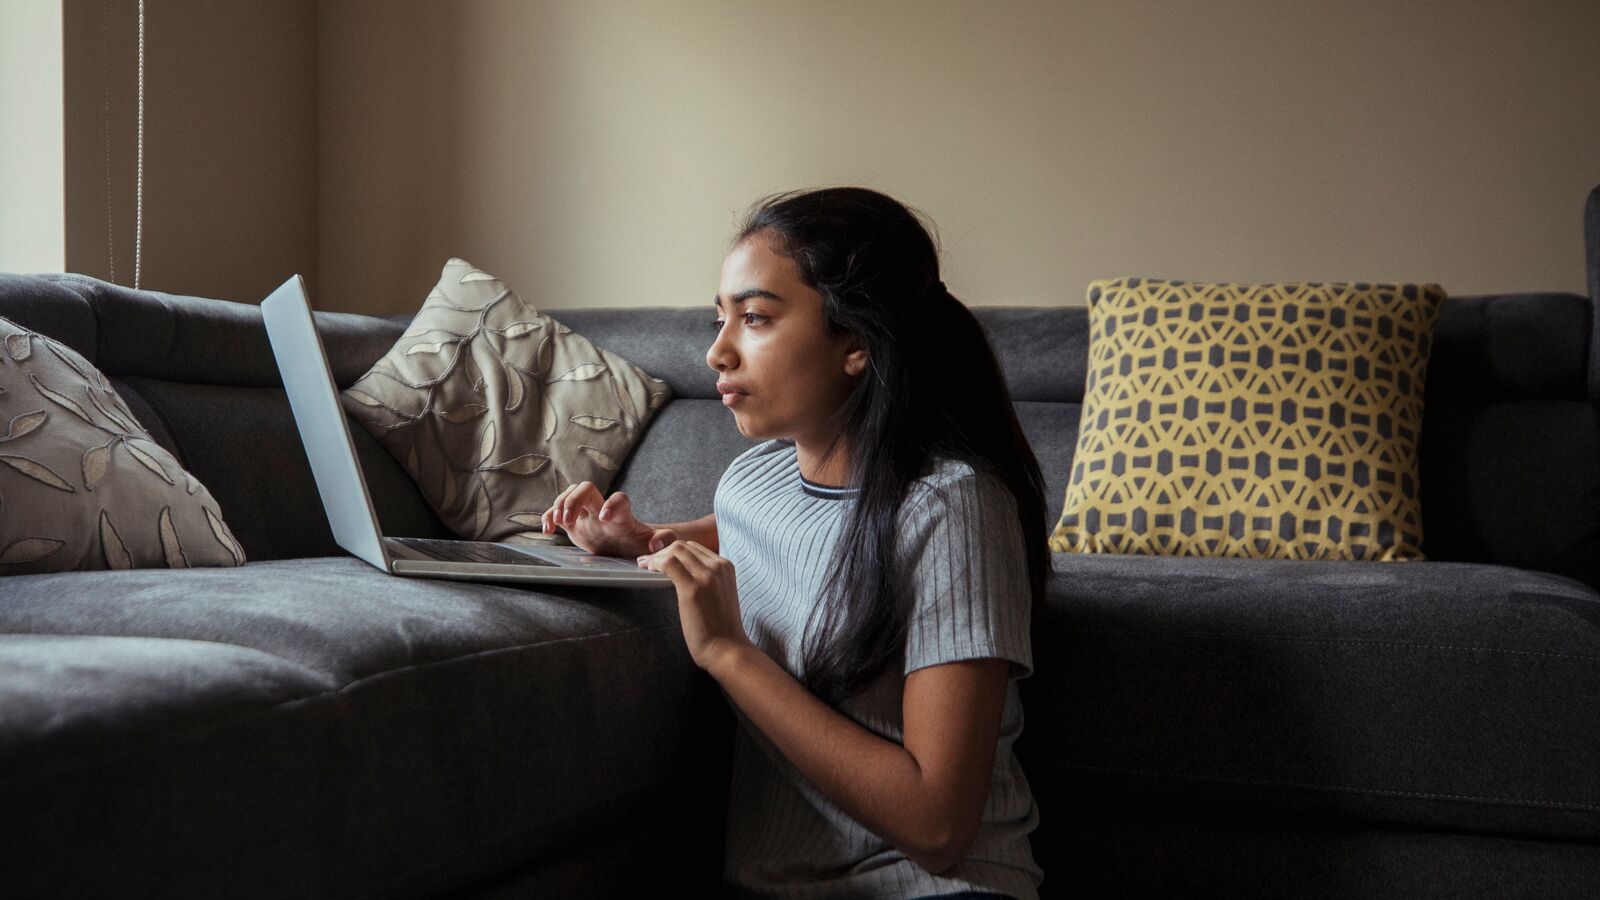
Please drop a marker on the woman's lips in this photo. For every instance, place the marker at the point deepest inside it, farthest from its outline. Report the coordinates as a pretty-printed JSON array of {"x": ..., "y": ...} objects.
[{"x": 730, "y": 394}]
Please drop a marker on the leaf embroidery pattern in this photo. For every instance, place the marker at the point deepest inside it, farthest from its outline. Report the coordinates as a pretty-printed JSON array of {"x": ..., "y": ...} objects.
[
  {"x": 28, "y": 549},
  {"x": 474, "y": 372},
  {"x": 428, "y": 347},
  {"x": 364, "y": 398},
  {"x": 437, "y": 300},
  {"x": 546, "y": 357},
  {"x": 86, "y": 373},
  {"x": 486, "y": 444},
  {"x": 463, "y": 413},
  {"x": 37, "y": 472},
  {"x": 594, "y": 423},
  {"x": 625, "y": 408},
  {"x": 518, "y": 329},
  {"x": 60, "y": 400},
  {"x": 24, "y": 424},
  {"x": 581, "y": 373},
  {"x": 514, "y": 389},
  {"x": 19, "y": 346},
  {"x": 219, "y": 529},
  {"x": 95, "y": 462},
  {"x": 112, "y": 548},
  {"x": 376, "y": 372},
  {"x": 527, "y": 464},
  {"x": 170, "y": 547},
  {"x": 549, "y": 419},
  {"x": 600, "y": 458},
  {"x": 529, "y": 519},
  {"x": 91, "y": 394},
  {"x": 420, "y": 332},
  {"x": 148, "y": 460}
]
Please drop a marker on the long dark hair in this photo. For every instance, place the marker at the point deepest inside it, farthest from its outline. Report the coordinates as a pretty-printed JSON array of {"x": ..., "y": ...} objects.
[{"x": 933, "y": 389}]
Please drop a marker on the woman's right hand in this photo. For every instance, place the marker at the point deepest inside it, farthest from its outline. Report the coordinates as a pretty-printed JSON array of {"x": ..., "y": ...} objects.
[{"x": 604, "y": 528}]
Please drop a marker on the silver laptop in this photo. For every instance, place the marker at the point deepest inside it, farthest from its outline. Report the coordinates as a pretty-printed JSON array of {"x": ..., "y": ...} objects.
[{"x": 326, "y": 434}]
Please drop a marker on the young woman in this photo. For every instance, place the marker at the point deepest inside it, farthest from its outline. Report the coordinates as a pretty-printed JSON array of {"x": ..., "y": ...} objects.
[{"x": 864, "y": 587}]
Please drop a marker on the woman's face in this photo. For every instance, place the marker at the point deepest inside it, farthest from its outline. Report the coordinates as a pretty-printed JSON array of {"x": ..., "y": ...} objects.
[{"x": 788, "y": 375}]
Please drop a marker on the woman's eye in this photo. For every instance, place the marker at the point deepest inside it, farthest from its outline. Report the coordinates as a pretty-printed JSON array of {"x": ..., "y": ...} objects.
[{"x": 718, "y": 323}]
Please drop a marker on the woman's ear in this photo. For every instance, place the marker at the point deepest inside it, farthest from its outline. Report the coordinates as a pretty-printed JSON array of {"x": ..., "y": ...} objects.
[{"x": 855, "y": 362}]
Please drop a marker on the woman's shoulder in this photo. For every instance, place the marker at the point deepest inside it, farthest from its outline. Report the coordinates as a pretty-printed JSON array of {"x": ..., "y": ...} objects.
[
  {"x": 957, "y": 492},
  {"x": 946, "y": 482}
]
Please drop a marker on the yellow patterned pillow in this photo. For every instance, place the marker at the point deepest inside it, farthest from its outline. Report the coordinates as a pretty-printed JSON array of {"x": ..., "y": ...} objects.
[{"x": 1267, "y": 421}]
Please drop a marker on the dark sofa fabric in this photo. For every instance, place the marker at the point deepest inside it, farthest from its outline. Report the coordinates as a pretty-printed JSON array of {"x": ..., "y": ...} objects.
[
  {"x": 308, "y": 726},
  {"x": 317, "y": 728},
  {"x": 1452, "y": 696}
]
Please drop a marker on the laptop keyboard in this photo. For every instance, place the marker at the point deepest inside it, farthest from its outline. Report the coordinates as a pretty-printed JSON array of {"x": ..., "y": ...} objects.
[{"x": 470, "y": 551}]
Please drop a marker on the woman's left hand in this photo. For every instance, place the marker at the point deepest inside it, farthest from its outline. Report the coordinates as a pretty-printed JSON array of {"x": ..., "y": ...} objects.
[{"x": 708, "y": 598}]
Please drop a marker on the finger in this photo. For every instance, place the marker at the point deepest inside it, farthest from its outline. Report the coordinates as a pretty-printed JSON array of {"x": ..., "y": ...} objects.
[
  {"x": 558, "y": 507},
  {"x": 685, "y": 559},
  {"x": 684, "y": 567},
  {"x": 662, "y": 537},
  {"x": 665, "y": 558},
  {"x": 701, "y": 552},
  {"x": 709, "y": 560},
  {"x": 552, "y": 516},
  {"x": 655, "y": 558},
  {"x": 615, "y": 505},
  {"x": 572, "y": 505}
]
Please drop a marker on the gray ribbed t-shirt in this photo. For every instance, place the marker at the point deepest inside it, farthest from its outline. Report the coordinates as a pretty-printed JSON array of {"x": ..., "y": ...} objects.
[{"x": 962, "y": 545}]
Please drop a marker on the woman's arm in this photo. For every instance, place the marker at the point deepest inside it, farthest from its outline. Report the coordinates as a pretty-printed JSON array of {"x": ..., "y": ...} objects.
[{"x": 925, "y": 797}]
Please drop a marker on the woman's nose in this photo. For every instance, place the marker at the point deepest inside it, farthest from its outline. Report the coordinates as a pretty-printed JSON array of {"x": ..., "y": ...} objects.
[{"x": 721, "y": 355}]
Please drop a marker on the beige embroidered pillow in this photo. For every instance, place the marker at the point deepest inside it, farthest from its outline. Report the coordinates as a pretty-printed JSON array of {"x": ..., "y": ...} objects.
[
  {"x": 82, "y": 485},
  {"x": 494, "y": 407}
]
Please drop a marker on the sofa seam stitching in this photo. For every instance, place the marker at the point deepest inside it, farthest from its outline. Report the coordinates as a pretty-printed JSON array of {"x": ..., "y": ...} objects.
[
  {"x": 1429, "y": 795},
  {"x": 1312, "y": 640}
]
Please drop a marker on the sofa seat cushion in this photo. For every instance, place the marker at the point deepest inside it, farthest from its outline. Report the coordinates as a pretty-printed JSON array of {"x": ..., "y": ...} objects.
[
  {"x": 317, "y": 728},
  {"x": 1420, "y": 694}
]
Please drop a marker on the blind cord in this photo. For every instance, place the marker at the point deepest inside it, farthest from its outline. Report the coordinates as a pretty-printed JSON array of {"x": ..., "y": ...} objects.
[
  {"x": 138, "y": 176},
  {"x": 105, "y": 135}
]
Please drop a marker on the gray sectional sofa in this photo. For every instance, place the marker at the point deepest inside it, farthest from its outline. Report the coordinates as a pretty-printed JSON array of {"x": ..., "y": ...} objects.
[{"x": 306, "y": 726}]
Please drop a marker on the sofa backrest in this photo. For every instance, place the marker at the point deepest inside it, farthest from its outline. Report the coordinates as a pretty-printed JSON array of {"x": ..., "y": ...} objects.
[{"x": 1510, "y": 446}]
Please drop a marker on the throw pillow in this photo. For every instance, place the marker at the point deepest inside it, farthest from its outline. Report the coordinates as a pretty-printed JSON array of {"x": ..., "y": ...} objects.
[
  {"x": 494, "y": 408},
  {"x": 82, "y": 485},
  {"x": 1277, "y": 420}
]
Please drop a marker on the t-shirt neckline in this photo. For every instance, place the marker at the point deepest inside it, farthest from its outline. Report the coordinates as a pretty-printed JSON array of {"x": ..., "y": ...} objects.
[{"x": 821, "y": 491}]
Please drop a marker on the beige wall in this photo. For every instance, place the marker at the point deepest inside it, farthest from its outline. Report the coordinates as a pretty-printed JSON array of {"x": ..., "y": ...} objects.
[
  {"x": 229, "y": 143},
  {"x": 32, "y": 227},
  {"x": 598, "y": 152}
]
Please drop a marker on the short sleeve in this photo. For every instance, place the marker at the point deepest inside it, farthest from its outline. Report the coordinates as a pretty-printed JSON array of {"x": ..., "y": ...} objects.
[{"x": 963, "y": 548}]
